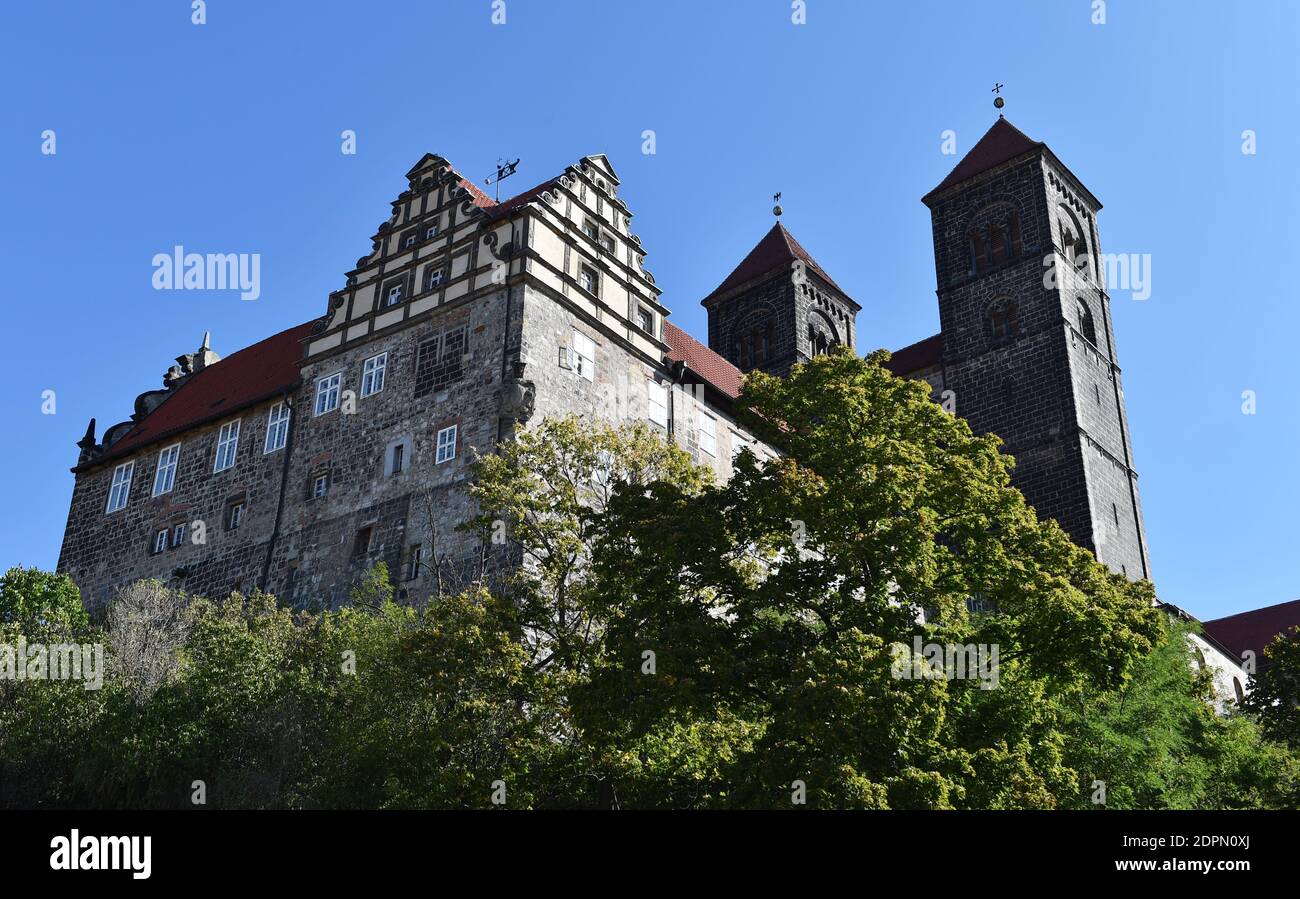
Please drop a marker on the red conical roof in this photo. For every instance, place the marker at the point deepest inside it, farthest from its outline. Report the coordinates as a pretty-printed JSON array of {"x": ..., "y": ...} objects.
[
  {"x": 1001, "y": 143},
  {"x": 777, "y": 248}
]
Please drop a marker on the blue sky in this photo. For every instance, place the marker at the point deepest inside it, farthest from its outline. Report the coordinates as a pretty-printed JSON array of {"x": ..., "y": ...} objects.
[{"x": 225, "y": 137}]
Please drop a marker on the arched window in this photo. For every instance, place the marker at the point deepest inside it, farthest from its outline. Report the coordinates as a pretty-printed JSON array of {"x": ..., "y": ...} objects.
[
  {"x": 754, "y": 344},
  {"x": 1236, "y": 687},
  {"x": 1074, "y": 244},
  {"x": 1002, "y": 320},
  {"x": 997, "y": 244},
  {"x": 1086, "y": 327},
  {"x": 978, "y": 262}
]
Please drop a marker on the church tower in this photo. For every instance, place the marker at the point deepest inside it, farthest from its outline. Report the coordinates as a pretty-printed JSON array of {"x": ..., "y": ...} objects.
[
  {"x": 778, "y": 308},
  {"x": 1028, "y": 345}
]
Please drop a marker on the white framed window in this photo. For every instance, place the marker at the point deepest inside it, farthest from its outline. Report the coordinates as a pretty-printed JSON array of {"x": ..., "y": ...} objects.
[
  {"x": 738, "y": 443},
  {"x": 589, "y": 279},
  {"x": 160, "y": 540},
  {"x": 227, "y": 445},
  {"x": 657, "y": 409},
  {"x": 121, "y": 487},
  {"x": 591, "y": 230},
  {"x": 433, "y": 276},
  {"x": 372, "y": 374},
  {"x": 320, "y": 486},
  {"x": 394, "y": 295},
  {"x": 327, "y": 393},
  {"x": 277, "y": 427},
  {"x": 431, "y": 231},
  {"x": 410, "y": 240},
  {"x": 178, "y": 535},
  {"x": 607, "y": 243},
  {"x": 236, "y": 517},
  {"x": 708, "y": 434},
  {"x": 645, "y": 320},
  {"x": 165, "y": 477},
  {"x": 584, "y": 356},
  {"x": 446, "y": 445}
]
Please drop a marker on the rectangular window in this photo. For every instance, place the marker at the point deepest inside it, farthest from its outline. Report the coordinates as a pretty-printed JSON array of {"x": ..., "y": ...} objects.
[
  {"x": 708, "y": 434},
  {"x": 393, "y": 294},
  {"x": 413, "y": 562},
  {"x": 589, "y": 228},
  {"x": 277, "y": 427},
  {"x": 160, "y": 540},
  {"x": 737, "y": 445},
  {"x": 408, "y": 240},
  {"x": 235, "y": 517},
  {"x": 657, "y": 411},
  {"x": 439, "y": 362},
  {"x": 584, "y": 356},
  {"x": 178, "y": 535},
  {"x": 320, "y": 486},
  {"x": 327, "y": 393},
  {"x": 121, "y": 487},
  {"x": 362, "y": 544},
  {"x": 433, "y": 276},
  {"x": 645, "y": 320},
  {"x": 399, "y": 458},
  {"x": 446, "y": 445},
  {"x": 372, "y": 374},
  {"x": 165, "y": 477},
  {"x": 431, "y": 231},
  {"x": 227, "y": 445},
  {"x": 589, "y": 280},
  {"x": 607, "y": 243}
]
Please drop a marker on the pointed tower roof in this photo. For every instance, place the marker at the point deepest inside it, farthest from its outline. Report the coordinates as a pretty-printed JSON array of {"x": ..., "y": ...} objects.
[
  {"x": 777, "y": 249},
  {"x": 1001, "y": 143}
]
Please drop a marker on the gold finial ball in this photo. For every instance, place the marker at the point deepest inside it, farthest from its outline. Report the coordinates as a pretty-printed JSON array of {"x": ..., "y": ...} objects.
[
  {"x": 777, "y": 210},
  {"x": 998, "y": 102}
]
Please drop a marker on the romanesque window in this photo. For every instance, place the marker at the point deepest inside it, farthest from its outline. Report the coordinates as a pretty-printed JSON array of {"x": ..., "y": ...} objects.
[
  {"x": 277, "y": 428},
  {"x": 446, "y": 445},
  {"x": 818, "y": 343},
  {"x": 1074, "y": 244},
  {"x": 755, "y": 345},
  {"x": 994, "y": 243},
  {"x": 372, "y": 374},
  {"x": 227, "y": 446},
  {"x": 975, "y": 246},
  {"x": 1086, "y": 326},
  {"x": 121, "y": 487},
  {"x": 1002, "y": 320},
  {"x": 165, "y": 476},
  {"x": 439, "y": 361},
  {"x": 327, "y": 393}
]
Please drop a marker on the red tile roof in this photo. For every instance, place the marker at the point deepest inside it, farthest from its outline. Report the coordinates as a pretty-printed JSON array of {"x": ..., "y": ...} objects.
[
  {"x": 1001, "y": 143},
  {"x": 911, "y": 359},
  {"x": 243, "y": 378},
  {"x": 777, "y": 248},
  {"x": 520, "y": 199},
  {"x": 481, "y": 200},
  {"x": 1255, "y": 629},
  {"x": 702, "y": 360}
]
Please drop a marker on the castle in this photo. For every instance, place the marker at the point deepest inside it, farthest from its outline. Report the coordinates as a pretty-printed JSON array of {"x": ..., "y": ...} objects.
[{"x": 296, "y": 463}]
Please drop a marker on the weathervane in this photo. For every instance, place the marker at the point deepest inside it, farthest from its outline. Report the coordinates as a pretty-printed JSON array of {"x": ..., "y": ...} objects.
[
  {"x": 504, "y": 171},
  {"x": 998, "y": 102},
  {"x": 776, "y": 207}
]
